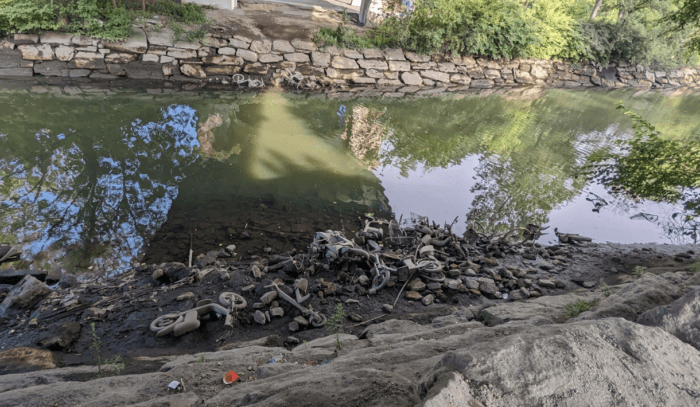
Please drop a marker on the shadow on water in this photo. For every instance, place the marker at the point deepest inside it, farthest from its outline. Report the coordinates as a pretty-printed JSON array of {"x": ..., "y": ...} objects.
[{"x": 101, "y": 179}]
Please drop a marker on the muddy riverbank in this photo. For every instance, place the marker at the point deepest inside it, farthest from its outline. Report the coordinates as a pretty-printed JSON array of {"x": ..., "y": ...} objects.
[{"x": 494, "y": 271}]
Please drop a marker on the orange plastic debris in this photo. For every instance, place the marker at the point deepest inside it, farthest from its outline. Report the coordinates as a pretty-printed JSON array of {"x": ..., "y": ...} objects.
[{"x": 230, "y": 377}]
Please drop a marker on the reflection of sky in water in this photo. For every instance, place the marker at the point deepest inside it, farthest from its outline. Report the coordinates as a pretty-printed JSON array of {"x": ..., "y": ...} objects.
[
  {"x": 442, "y": 194},
  {"x": 104, "y": 196}
]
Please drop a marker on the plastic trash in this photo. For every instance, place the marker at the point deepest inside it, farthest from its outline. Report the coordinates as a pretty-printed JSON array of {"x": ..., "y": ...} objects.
[
  {"x": 174, "y": 385},
  {"x": 230, "y": 377},
  {"x": 273, "y": 360},
  {"x": 327, "y": 361}
]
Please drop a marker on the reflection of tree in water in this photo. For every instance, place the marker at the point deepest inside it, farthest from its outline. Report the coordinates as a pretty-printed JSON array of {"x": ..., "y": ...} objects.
[
  {"x": 514, "y": 192},
  {"x": 657, "y": 168},
  {"x": 365, "y": 134},
  {"x": 84, "y": 194}
]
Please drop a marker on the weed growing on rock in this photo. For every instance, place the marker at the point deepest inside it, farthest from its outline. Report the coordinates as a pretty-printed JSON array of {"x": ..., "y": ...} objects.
[
  {"x": 488, "y": 318},
  {"x": 201, "y": 358},
  {"x": 335, "y": 324},
  {"x": 117, "y": 363},
  {"x": 639, "y": 271},
  {"x": 606, "y": 288},
  {"x": 695, "y": 267},
  {"x": 575, "y": 308}
]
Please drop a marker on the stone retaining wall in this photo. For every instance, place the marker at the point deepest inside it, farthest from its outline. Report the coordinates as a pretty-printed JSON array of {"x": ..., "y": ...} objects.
[{"x": 153, "y": 55}]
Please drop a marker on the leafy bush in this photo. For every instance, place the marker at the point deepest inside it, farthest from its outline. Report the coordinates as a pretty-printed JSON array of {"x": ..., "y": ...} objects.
[
  {"x": 94, "y": 18},
  {"x": 630, "y": 30}
]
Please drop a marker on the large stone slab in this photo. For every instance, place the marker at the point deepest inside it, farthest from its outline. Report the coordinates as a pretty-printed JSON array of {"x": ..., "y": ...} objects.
[
  {"x": 39, "y": 52},
  {"x": 136, "y": 43},
  {"x": 141, "y": 70},
  {"x": 164, "y": 37}
]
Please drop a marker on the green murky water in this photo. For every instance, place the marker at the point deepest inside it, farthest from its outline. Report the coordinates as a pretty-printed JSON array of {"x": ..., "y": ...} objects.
[{"x": 103, "y": 178}]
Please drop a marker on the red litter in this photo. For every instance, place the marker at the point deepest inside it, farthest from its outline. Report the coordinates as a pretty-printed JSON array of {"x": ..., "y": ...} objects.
[{"x": 230, "y": 377}]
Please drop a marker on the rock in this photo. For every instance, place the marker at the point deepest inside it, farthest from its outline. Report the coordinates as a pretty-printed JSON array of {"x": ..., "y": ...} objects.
[
  {"x": 471, "y": 284},
  {"x": 433, "y": 286},
  {"x": 270, "y": 58},
  {"x": 64, "y": 53},
  {"x": 454, "y": 284},
  {"x": 416, "y": 285},
  {"x": 186, "y": 296},
  {"x": 482, "y": 84},
  {"x": 412, "y": 295},
  {"x": 11, "y": 276},
  {"x": 41, "y": 52},
  {"x": 61, "y": 336},
  {"x": 488, "y": 287},
  {"x": 282, "y": 46},
  {"x": 355, "y": 317},
  {"x": 68, "y": 281},
  {"x": 399, "y": 66},
  {"x": 637, "y": 297},
  {"x": 261, "y": 47},
  {"x": 297, "y": 57},
  {"x": 303, "y": 45},
  {"x": 292, "y": 341},
  {"x": 223, "y": 60},
  {"x": 436, "y": 76},
  {"x": 256, "y": 69},
  {"x": 321, "y": 59},
  {"x": 259, "y": 317},
  {"x": 428, "y": 299},
  {"x": 163, "y": 37},
  {"x": 268, "y": 297},
  {"x": 120, "y": 58},
  {"x": 89, "y": 60},
  {"x": 26, "y": 39},
  {"x": 546, "y": 283},
  {"x": 277, "y": 312},
  {"x": 56, "y": 38},
  {"x": 363, "y": 280},
  {"x": 450, "y": 389},
  {"x": 460, "y": 79},
  {"x": 559, "y": 284},
  {"x": 193, "y": 71},
  {"x": 150, "y": 58},
  {"x": 182, "y": 53},
  {"x": 546, "y": 266},
  {"x": 588, "y": 284},
  {"x": 681, "y": 318},
  {"x": 373, "y": 64},
  {"x": 228, "y": 51},
  {"x": 26, "y": 294},
  {"x": 157, "y": 274},
  {"x": 293, "y": 326},
  {"x": 22, "y": 360},
  {"x": 387, "y": 308},
  {"x": 140, "y": 70},
  {"x": 344, "y": 63},
  {"x": 301, "y": 321},
  {"x": 394, "y": 55},
  {"x": 54, "y": 276},
  {"x": 137, "y": 43}
]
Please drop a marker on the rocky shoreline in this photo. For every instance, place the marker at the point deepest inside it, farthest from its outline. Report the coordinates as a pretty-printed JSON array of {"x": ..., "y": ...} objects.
[
  {"x": 493, "y": 330},
  {"x": 232, "y": 60}
]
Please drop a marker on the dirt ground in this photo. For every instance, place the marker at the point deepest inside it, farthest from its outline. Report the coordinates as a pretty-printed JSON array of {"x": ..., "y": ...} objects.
[{"x": 276, "y": 21}]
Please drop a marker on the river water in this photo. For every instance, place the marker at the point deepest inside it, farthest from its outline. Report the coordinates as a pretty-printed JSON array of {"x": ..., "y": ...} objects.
[{"x": 98, "y": 179}]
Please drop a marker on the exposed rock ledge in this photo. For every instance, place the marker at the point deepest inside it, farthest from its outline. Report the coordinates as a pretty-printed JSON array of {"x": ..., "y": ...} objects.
[{"x": 529, "y": 359}]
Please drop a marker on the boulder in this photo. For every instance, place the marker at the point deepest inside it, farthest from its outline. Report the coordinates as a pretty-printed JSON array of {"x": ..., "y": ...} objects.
[
  {"x": 647, "y": 292},
  {"x": 193, "y": 71},
  {"x": 25, "y": 295},
  {"x": 681, "y": 318}
]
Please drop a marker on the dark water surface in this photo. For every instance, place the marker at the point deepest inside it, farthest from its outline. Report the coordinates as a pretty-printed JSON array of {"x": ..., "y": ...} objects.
[{"x": 102, "y": 178}]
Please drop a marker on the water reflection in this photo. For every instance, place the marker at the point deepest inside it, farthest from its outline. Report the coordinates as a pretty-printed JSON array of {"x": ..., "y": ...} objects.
[
  {"x": 94, "y": 200},
  {"x": 134, "y": 176}
]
